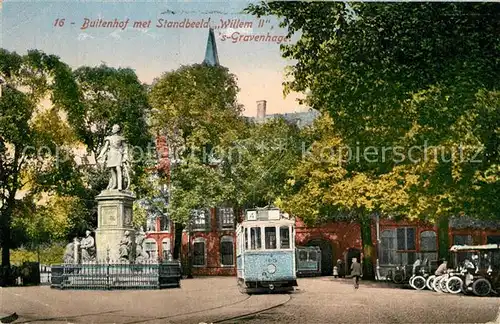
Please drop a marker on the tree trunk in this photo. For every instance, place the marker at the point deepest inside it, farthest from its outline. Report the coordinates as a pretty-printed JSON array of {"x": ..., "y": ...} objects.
[
  {"x": 6, "y": 243},
  {"x": 444, "y": 242},
  {"x": 178, "y": 240},
  {"x": 368, "y": 250}
]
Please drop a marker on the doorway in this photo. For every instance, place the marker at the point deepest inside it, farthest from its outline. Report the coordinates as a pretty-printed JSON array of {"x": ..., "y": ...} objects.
[
  {"x": 352, "y": 253},
  {"x": 326, "y": 255}
]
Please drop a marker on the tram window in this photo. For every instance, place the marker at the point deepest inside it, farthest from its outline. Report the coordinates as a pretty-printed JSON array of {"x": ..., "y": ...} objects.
[
  {"x": 270, "y": 233},
  {"x": 245, "y": 240},
  {"x": 312, "y": 256},
  {"x": 255, "y": 237},
  {"x": 284, "y": 237},
  {"x": 302, "y": 255}
]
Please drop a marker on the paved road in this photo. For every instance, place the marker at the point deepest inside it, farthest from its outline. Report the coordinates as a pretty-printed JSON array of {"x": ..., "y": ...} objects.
[{"x": 318, "y": 300}]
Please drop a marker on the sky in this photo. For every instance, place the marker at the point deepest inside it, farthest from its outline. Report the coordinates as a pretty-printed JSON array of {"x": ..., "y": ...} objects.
[{"x": 152, "y": 49}]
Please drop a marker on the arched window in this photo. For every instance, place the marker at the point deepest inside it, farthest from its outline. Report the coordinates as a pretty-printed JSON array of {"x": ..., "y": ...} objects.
[
  {"x": 165, "y": 246},
  {"x": 388, "y": 247},
  {"x": 226, "y": 251},
  {"x": 151, "y": 248},
  {"x": 199, "y": 252}
]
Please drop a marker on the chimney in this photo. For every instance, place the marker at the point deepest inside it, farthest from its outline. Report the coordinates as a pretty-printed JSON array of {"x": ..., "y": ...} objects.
[{"x": 261, "y": 108}]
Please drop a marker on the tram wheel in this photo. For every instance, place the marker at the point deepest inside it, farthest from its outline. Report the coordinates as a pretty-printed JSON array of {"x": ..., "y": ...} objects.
[
  {"x": 430, "y": 282},
  {"x": 419, "y": 283},
  {"x": 454, "y": 285},
  {"x": 481, "y": 287}
]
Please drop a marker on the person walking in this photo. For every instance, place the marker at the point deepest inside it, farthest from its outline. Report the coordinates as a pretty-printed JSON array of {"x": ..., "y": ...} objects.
[{"x": 356, "y": 272}]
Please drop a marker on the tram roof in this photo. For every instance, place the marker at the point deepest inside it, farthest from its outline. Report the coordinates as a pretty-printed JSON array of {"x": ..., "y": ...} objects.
[
  {"x": 282, "y": 221},
  {"x": 456, "y": 248}
]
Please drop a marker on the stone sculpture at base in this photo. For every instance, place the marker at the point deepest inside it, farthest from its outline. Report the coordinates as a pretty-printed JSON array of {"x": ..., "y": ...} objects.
[
  {"x": 69, "y": 252},
  {"x": 87, "y": 245},
  {"x": 140, "y": 253},
  {"x": 125, "y": 248}
]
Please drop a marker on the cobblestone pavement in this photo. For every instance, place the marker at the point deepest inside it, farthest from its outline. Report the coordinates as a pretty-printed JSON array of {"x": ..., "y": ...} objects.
[
  {"x": 327, "y": 300},
  {"x": 317, "y": 300}
]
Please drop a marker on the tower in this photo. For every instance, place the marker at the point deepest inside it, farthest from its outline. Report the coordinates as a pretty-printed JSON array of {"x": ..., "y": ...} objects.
[{"x": 211, "y": 55}]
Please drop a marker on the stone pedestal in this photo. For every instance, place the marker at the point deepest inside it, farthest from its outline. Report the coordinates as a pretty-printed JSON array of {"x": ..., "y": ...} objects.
[{"x": 114, "y": 218}]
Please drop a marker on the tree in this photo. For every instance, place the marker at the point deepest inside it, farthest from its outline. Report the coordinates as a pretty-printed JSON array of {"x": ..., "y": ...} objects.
[
  {"x": 405, "y": 75},
  {"x": 96, "y": 98},
  {"x": 28, "y": 146},
  {"x": 259, "y": 162},
  {"x": 195, "y": 108}
]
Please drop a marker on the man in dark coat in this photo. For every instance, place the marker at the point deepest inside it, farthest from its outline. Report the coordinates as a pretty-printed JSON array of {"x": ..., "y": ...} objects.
[{"x": 356, "y": 272}]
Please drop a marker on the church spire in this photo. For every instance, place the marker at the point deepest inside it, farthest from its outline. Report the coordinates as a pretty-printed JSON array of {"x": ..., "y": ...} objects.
[{"x": 211, "y": 56}]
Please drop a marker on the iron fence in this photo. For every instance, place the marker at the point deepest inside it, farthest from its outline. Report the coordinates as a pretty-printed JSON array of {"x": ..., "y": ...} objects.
[
  {"x": 45, "y": 274},
  {"x": 116, "y": 275}
]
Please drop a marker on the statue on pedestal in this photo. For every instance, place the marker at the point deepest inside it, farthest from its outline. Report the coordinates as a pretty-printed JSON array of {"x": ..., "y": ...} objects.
[
  {"x": 114, "y": 155},
  {"x": 87, "y": 245},
  {"x": 140, "y": 253},
  {"x": 125, "y": 247}
]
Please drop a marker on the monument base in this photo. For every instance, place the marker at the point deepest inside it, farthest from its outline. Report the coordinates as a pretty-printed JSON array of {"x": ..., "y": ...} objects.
[{"x": 114, "y": 220}]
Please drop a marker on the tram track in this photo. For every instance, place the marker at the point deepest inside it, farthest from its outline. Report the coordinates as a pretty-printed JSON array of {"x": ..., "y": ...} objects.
[
  {"x": 238, "y": 317},
  {"x": 171, "y": 317},
  {"x": 187, "y": 317}
]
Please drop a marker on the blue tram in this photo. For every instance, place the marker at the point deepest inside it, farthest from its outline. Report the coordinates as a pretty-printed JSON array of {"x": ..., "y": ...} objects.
[{"x": 265, "y": 251}]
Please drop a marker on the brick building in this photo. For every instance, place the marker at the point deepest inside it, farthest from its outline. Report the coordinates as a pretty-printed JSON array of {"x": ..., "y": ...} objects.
[{"x": 211, "y": 240}]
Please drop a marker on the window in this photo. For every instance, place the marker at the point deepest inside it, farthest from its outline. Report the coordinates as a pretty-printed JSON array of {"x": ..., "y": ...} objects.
[
  {"x": 270, "y": 233},
  {"x": 164, "y": 223},
  {"x": 225, "y": 217},
  {"x": 246, "y": 241},
  {"x": 493, "y": 239},
  {"x": 406, "y": 239},
  {"x": 151, "y": 248},
  {"x": 165, "y": 246},
  {"x": 226, "y": 251},
  {"x": 428, "y": 241},
  {"x": 462, "y": 239},
  {"x": 284, "y": 237},
  {"x": 302, "y": 256},
  {"x": 201, "y": 219},
  {"x": 393, "y": 242},
  {"x": 151, "y": 224},
  {"x": 313, "y": 256},
  {"x": 428, "y": 245},
  {"x": 388, "y": 247},
  {"x": 199, "y": 252},
  {"x": 255, "y": 238}
]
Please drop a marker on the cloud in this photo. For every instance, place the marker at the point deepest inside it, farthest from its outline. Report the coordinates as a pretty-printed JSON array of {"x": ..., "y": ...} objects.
[
  {"x": 84, "y": 36},
  {"x": 116, "y": 34}
]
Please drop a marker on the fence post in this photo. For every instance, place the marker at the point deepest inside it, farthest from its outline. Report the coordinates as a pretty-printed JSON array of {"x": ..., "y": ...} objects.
[{"x": 108, "y": 286}]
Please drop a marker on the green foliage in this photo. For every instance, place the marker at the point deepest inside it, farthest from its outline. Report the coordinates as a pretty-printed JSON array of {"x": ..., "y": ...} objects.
[
  {"x": 52, "y": 254},
  {"x": 109, "y": 96},
  {"x": 261, "y": 160},
  {"x": 196, "y": 108},
  {"x": 396, "y": 75},
  {"x": 195, "y": 105},
  {"x": 393, "y": 75},
  {"x": 27, "y": 146}
]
